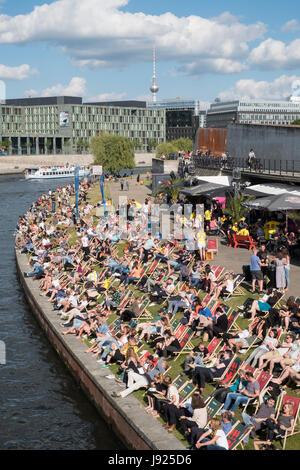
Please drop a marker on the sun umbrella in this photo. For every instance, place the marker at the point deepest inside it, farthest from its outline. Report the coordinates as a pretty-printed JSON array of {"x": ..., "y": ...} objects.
[{"x": 281, "y": 202}]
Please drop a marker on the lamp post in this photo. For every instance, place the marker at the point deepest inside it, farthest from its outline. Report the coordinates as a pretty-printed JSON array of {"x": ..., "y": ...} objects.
[{"x": 236, "y": 181}]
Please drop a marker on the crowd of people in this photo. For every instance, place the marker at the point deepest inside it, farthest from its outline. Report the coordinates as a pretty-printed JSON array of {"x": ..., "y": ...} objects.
[{"x": 102, "y": 276}]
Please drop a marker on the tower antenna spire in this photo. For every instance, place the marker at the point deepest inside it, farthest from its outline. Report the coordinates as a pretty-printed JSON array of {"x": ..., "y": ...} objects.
[{"x": 154, "y": 87}]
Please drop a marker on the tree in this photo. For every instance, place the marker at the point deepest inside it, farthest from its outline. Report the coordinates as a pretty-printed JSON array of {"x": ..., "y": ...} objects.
[
  {"x": 296, "y": 122},
  {"x": 170, "y": 188},
  {"x": 174, "y": 146},
  {"x": 152, "y": 144},
  {"x": 113, "y": 152},
  {"x": 166, "y": 148},
  {"x": 187, "y": 145},
  {"x": 234, "y": 208}
]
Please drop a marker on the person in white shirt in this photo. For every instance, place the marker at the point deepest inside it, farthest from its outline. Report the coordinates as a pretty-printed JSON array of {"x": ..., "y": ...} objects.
[
  {"x": 214, "y": 438},
  {"x": 269, "y": 344}
]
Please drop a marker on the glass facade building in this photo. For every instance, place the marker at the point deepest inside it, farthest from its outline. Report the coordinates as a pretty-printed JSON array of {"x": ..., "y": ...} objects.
[
  {"x": 183, "y": 117},
  {"x": 58, "y": 125},
  {"x": 253, "y": 112}
]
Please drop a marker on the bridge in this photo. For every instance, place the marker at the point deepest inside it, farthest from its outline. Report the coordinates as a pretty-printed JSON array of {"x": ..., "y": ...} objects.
[{"x": 281, "y": 170}]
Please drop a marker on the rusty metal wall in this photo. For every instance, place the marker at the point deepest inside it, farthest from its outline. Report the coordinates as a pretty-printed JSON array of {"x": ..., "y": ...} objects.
[{"x": 211, "y": 139}]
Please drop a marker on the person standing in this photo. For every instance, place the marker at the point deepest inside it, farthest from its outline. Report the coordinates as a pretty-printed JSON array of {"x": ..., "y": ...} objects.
[
  {"x": 251, "y": 159},
  {"x": 122, "y": 185},
  {"x": 287, "y": 267},
  {"x": 256, "y": 272},
  {"x": 280, "y": 273}
]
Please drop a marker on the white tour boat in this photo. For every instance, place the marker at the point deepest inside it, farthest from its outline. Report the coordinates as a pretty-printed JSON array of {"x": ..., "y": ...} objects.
[{"x": 55, "y": 172}]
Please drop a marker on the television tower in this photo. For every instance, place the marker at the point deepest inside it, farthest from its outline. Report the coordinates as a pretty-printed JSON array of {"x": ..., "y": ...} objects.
[{"x": 154, "y": 87}]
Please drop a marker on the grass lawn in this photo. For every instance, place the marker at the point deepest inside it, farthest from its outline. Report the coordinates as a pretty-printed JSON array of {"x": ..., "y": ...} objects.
[{"x": 293, "y": 443}]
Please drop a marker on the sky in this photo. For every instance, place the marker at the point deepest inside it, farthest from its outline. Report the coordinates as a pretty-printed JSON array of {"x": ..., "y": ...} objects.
[{"x": 102, "y": 49}]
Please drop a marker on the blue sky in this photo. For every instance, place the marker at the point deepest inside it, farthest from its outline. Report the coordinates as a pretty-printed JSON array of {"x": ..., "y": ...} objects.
[{"x": 102, "y": 49}]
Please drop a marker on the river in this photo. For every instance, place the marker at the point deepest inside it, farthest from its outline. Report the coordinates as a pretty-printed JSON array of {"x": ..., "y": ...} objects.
[{"x": 41, "y": 406}]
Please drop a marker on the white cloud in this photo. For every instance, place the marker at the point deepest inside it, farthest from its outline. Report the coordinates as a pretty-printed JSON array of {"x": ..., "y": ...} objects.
[
  {"x": 291, "y": 26},
  {"x": 16, "y": 73},
  {"x": 272, "y": 54},
  {"x": 281, "y": 88},
  {"x": 76, "y": 87},
  {"x": 98, "y": 33},
  {"x": 107, "y": 97}
]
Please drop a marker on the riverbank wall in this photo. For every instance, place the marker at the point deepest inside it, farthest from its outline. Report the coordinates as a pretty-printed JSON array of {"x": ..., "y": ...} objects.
[
  {"x": 125, "y": 416},
  {"x": 17, "y": 164}
]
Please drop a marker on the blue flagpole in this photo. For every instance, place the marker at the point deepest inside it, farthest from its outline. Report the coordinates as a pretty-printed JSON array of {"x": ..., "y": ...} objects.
[
  {"x": 76, "y": 177},
  {"x": 102, "y": 192}
]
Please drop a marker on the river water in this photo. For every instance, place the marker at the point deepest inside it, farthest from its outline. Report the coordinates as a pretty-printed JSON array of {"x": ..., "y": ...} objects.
[{"x": 41, "y": 406}]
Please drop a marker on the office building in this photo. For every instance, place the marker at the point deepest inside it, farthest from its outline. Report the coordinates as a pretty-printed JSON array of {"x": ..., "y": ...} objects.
[
  {"x": 221, "y": 114},
  {"x": 65, "y": 124}
]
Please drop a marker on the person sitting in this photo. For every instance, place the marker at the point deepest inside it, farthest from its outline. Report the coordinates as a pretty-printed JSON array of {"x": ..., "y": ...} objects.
[
  {"x": 192, "y": 413},
  {"x": 214, "y": 438},
  {"x": 197, "y": 357},
  {"x": 259, "y": 419},
  {"x": 284, "y": 423},
  {"x": 225, "y": 288},
  {"x": 245, "y": 393},
  {"x": 219, "y": 325},
  {"x": 207, "y": 374},
  {"x": 269, "y": 344},
  {"x": 168, "y": 346}
]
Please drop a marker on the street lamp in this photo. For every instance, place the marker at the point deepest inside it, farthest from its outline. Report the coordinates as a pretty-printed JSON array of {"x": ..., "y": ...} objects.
[{"x": 236, "y": 181}]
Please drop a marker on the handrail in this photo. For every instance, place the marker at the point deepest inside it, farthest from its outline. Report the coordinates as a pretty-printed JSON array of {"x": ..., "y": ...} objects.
[{"x": 259, "y": 165}]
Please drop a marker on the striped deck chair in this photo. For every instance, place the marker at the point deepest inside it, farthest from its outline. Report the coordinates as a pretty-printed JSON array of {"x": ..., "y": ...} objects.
[
  {"x": 185, "y": 343},
  {"x": 179, "y": 382},
  {"x": 237, "y": 435},
  {"x": 232, "y": 325},
  {"x": 230, "y": 373},
  {"x": 152, "y": 268},
  {"x": 186, "y": 391},
  {"x": 295, "y": 401},
  {"x": 237, "y": 288},
  {"x": 180, "y": 331},
  {"x": 213, "y": 408},
  {"x": 213, "y": 346},
  {"x": 218, "y": 272}
]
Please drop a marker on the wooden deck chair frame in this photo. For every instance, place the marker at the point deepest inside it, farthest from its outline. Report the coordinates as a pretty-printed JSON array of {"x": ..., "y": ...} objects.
[
  {"x": 238, "y": 291},
  {"x": 187, "y": 344},
  {"x": 232, "y": 317}
]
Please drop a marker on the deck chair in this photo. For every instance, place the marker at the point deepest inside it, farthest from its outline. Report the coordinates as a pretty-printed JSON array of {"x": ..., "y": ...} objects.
[
  {"x": 230, "y": 373},
  {"x": 237, "y": 435},
  {"x": 237, "y": 288},
  {"x": 295, "y": 401},
  {"x": 186, "y": 391},
  {"x": 213, "y": 346},
  {"x": 179, "y": 382},
  {"x": 185, "y": 343},
  {"x": 232, "y": 317},
  {"x": 213, "y": 408}
]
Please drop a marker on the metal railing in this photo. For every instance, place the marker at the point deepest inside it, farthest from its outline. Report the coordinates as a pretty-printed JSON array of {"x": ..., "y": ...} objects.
[{"x": 259, "y": 165}]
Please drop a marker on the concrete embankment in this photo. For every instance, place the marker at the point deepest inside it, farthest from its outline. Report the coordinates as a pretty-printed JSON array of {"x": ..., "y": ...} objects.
[
  {"x": 17, "y": 164},
  {"x": 126, "y": 417}
]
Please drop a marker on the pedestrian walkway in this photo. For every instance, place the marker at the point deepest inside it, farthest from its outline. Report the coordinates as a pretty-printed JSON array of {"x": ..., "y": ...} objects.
[
  {"x": 136, "y": 191},
  {"x": 235, "y": 258}
]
